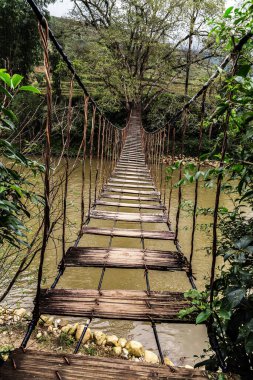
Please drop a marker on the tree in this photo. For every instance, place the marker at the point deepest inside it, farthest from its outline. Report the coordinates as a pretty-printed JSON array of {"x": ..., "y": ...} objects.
[
  {"x": 138, "y": 44},
  {"x": 19, "y": 39}
]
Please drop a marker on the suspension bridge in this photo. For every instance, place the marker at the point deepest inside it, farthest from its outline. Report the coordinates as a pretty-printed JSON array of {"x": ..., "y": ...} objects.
[{"x": 130, "y": 187}]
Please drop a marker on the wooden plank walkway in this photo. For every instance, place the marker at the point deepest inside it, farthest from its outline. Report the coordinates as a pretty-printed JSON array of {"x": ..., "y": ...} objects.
[
  {"x": 115, "y": 304},
  {"x": 124, "y": 258},
  {"x": 38, "y": 365},
  {"x": 130, "y": 186}
]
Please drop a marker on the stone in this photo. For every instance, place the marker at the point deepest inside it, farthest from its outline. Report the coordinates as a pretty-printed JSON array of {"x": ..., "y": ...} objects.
[
  {"x": 63, "y": 322},
  {"x": 39, "y": 335},
  {"x": 117, "y": 351},
  {"x": 1, "y": 322},
  {"x": 57, "y": 322},
  {"x": 65, "y": 329},
  {"x": 188, "y": 366},
  {"x": 168, "y": 362},
  {"x": 99, "y": 337},
  {"x": 135, "y": 348},
  {"x": 50, "y": 321},
  {"x": 73, "y": 329},
  {"x": 50, "y": 329},
  {"x": 112, "y": 340},
  {"x": 122, "y": 342},
  {"x": 150, "y": 357},
  {"x": 125, "y": 353},
  {"x": 79, "y": 332},
  {"x": 20, "y": 312},
  {"x": 44, "y": 318}
]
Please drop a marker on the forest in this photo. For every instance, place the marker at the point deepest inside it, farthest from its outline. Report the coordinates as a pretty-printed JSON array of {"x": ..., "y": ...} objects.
[{"x": 104, "y": 87}]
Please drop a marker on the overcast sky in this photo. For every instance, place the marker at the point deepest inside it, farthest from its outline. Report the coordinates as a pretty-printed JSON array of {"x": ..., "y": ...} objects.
[{"x": 62, "y": 7}]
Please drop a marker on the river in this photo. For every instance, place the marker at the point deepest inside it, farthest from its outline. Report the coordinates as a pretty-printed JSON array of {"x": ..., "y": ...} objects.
[{"x": 179, "y": 341}]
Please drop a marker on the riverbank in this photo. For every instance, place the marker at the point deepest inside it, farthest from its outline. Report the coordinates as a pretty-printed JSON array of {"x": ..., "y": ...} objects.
[{"x": 58, "y": 335}]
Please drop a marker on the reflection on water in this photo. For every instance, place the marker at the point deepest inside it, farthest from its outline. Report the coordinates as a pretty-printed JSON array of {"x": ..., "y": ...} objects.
[{"x": 181, "y": 341}]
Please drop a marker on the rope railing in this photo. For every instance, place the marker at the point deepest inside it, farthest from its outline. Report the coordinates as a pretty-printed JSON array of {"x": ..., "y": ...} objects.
[{"x": 99, "y": 150}]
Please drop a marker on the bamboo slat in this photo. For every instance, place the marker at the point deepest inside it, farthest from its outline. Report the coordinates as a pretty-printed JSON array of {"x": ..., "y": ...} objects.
[
  {"x": 124, "y": 258},
  {"x": 128, "y": 217},
  {"x": 120, "y": 232},
  {"x": 115, "y": 304},
  {"x": 129, "y": 205},
  {"x": 38, "y": 365}
]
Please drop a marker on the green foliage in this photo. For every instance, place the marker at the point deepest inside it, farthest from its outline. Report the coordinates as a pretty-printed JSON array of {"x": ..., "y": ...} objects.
[
  {"x": 14, "y": 188},
  {"x": 231, "y": 314},
  {"x": 65, "y": 340},
  {"x": 19, "y": 39}
]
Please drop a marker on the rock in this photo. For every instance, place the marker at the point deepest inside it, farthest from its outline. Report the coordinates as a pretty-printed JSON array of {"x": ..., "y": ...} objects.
[
  {"x": 39, "y": 335},
  {"x": 79, "y": 332},
  {"x": 125, "y": 353},
  {"x": 2, "y": 322},
  {"x": 117, "y": 350},
  {"x": 135, "y": 348},
  {"x": 168, "y": 362},
  {"x": 57, "y": 322},
  {"x": 50, "y": 321},
  {"x": 20, "y": 312},
  {"x": 188, "y": 366},
  {"x": 112, "y": 340},
  {"x": 44, "y": 319},
  {"x": 63, "y": 322},
  {"x": 73, "y": 329},
  {"x": 50, "y": 329},
  {"x": 65, "y": 329},
  {"x": 99, "y": 337},
  {"x": 150, "y": 357},
  {"x": 122, "y": 342}
]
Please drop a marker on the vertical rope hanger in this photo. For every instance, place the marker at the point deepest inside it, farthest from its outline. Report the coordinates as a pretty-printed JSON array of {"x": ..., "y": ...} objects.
[
  {"x": 196, "y": 190},
  {"x": 85, "y": 127},
  {"x": 69, "y": 125},
  {"x": 44, "y": 35}
]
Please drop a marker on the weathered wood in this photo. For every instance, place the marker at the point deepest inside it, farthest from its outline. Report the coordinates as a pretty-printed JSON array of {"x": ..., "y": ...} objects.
[
  {"x": 39, "y": 365},
  {"x": 115, "y": 304},
  {"x": 130, "y": 205},
  {"x": 128, "y": 217},
  {"x": 128, "y": 191},
  {"x": 120, "y": 232},
  {"x": 131, "y": 181},
  {"x": 124, "y": 258},
  {"x": 131, "y": 186},
  {"x": 129, "y": 198}
]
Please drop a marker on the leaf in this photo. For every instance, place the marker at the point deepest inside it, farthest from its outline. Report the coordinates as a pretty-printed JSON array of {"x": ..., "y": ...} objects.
[
  {"x": 227, "y": 12},
  {"x": 232, "y": 299},
  {"x": 244, "y": 242},
  {"x": 30, "y": 89},
  {"x": 5, "y": 92},
  {"x": 203, "y": 316},
  {"x": 5, "y": 78},
  {"x": 16, "y": 80},
  {"x": 243, "y": 70},
  {"x": 249, "y": 343}
]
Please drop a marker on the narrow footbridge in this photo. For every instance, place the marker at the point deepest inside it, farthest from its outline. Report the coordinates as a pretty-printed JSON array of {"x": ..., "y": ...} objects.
[{"x": 130, "y": 187}]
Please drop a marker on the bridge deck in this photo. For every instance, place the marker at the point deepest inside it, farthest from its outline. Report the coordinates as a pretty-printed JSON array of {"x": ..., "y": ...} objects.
[
  {"x": 130, "y": 181},
  {"x": 124, "y": 258},
  {"x": 37, "y": 365}
]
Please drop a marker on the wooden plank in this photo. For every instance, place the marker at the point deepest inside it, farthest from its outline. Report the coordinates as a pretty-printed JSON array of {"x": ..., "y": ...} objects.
[
  {"x": 130, "y": 181},
  {"x": 130, "y": 185},
  {"x": 129, "y": 198},
  {"x": 127, "y": 191},
  {"x": 120, "y": 232},
  {"x": 125, "y": 258},
  {"x": 128, "y": 216},
  {"x": 41, "y": 365},
  {"x": 130, "y": 205},
  {"x": 115, "y": 304}
]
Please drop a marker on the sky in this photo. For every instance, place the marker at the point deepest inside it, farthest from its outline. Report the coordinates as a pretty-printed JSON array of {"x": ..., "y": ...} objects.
[{"x": 62, "y": 7}]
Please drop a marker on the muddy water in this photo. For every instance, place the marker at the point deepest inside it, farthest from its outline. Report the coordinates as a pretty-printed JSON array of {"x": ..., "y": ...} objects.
[{"x": 179, "y": 341}]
